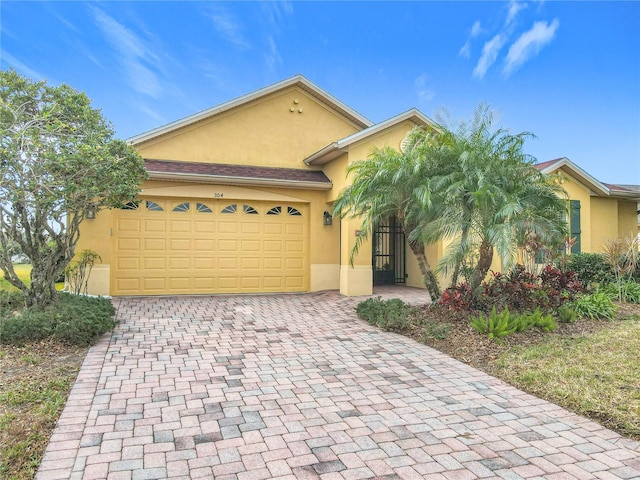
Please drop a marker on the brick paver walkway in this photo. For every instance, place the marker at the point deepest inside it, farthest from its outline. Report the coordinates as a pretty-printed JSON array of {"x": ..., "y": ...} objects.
[{"x": 297, "y": 387}]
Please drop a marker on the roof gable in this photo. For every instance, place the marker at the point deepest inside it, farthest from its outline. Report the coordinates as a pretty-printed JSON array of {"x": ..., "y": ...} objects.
[
  {"x": 296, "y": 81},
  {"x": 335, "y": 149},
  {"x": 596, "y": 186}
]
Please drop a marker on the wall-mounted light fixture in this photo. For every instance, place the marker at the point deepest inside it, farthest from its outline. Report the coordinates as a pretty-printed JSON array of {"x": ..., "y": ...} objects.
[
  {"x": 328, "y": 219},
  {"x": 90, "y": 212}
]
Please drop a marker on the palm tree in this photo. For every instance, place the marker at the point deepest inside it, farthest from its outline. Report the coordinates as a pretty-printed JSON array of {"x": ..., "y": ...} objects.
[
  {"x": 392, "y": 183},
  {"x": 490, "y": 196}
]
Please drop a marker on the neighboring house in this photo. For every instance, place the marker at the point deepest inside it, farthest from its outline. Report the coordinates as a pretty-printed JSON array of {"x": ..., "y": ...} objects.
[
  {"x": 240, "y": 196},
  {"x": 598, "y": 211}
]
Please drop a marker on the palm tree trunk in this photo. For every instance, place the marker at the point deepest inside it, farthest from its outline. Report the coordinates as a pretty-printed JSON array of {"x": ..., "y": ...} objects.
[
  {"x": 463, "y": 243},
  {"x": 482, "y": 267},
  {"x": 428, "y": 277}
]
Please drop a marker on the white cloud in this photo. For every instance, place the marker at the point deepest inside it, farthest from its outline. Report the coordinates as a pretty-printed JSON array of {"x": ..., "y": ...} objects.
[
  {"x": 529, "y": 44},
  {"x": 275, "y": 12},
  {"x": 227, "y": 26},
  {"x": 137, "y": 59},
  {"x": 272, "y": 55},
  {"x": 514, "y": 9},
  {"x": 489, "y": 55},
  {"x": 476, "y": 29},
  {"x": 425, "y": 93}
]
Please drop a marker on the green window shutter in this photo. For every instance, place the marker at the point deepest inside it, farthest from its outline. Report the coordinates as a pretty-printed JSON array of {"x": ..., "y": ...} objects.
[{"x": 574, "y": 225}]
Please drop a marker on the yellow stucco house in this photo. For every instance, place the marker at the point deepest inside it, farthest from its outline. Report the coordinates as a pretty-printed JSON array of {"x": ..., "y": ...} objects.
[{"x": 240, "y": 196}]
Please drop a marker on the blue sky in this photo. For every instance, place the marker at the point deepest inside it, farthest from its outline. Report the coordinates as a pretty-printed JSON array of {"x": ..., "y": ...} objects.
[{"x": 569, "y": 72}]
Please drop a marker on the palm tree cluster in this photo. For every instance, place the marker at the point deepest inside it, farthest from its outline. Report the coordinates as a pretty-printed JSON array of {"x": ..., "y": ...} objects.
[{"x": 471, "y": 186}]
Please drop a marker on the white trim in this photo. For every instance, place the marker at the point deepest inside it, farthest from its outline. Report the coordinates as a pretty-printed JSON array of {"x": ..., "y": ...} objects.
[
  {"x": 565, "y": 162},
  {"x": 298, "y": 80},
  {"x": 333, "y": 150}
]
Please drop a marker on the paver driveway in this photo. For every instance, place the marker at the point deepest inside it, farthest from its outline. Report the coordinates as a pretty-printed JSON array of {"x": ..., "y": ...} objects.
[{"x": 296, "y": 386}]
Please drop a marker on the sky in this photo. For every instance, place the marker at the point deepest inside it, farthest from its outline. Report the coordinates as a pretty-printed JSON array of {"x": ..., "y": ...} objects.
[{"x": 568, "y": 72}]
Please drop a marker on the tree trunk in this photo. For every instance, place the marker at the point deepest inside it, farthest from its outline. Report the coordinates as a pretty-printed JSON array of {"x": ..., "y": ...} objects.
[
  {"x": 456, "y": 270},
  {"x": 483, "y": 266},
  {"x": 428, "y": 277}
]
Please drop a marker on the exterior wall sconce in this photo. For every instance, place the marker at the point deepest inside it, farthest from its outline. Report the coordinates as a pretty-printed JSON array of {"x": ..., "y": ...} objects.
[
  {"x": 90, "y": 212},
  {"x": 328, "y": 219}
]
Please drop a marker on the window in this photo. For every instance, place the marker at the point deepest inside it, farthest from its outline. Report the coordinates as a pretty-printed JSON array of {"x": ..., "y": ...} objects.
[
  {"x": 131, "y": 205},
  {"x": 574, "y": 225},
  {"x": 202, "y": 208},
  {"x": 294, "y": 211},
  {"x": 230, "y": 209},
  {"x": 183, "y": 207},
  {"x": 275, "y": 211},
  {"x": 153, "y": 206},
  {"x": 249, "y": 210}
]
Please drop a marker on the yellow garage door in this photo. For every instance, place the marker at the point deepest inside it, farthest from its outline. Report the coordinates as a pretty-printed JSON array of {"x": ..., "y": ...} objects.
[{"x": 184, "y": 246}]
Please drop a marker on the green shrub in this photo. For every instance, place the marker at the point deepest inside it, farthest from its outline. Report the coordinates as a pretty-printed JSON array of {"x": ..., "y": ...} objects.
[
  {"x": 590, "y": 268},
  {"x": 76, "y": 320},
  {"x": 566, "y": 314},
  {"x": 435, "y": 329},
  {"x": 495, "y": 325},
  {"x": 631, "y": 291},
  {"x": 500, "y": 325},
  {"x": 595, "y": 306},
  {"x": 391, "y": 315}
]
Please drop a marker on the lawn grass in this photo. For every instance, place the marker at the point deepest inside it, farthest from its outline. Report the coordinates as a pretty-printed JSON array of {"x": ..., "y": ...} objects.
[
  {"x": 35, "y": 381},
  {"x": 23, "y": 270},
  {"x": 597, "y": 375}
]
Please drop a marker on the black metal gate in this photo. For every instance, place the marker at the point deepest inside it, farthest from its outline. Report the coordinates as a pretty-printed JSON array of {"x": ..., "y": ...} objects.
[{"x": 389, "y": 263}]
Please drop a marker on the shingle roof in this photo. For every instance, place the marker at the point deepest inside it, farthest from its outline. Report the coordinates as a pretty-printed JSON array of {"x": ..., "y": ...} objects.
[{"x": 238, "y": 172}]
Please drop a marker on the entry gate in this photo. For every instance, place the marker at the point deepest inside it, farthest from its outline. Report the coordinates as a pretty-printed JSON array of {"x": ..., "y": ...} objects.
[{"x": 389, "y": 261}]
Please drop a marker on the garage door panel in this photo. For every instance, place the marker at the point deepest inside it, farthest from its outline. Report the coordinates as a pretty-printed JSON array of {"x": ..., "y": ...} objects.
[
  {"x": 178, "y": 263},
  {"x": 271, "y": 283},
  {"x": 155, "y": 284},
  {"x": 180, "y": 245},
  {"x": 203, "y": 263},
  {"x": 228, "y": 263},
  {"x": 206, "y": 284},
  {"x": 204, "y": 226},
  {"x": 155, "y": 225},
  {"x": 128, "y": 244},
  {"x": 155, "y": 263},
  {"x": 273, "y": 246},
  {"x": 249, "y": 263},
  {"x": 155, "y": 244},
  {"x": 294, "y": 229},
  {"x": 228, "y": 283},
  {"x": 273, "y": 228},
  {"x": 191, "y": 251},
  {"x": 294, "y": 263},
  {"x": 250, "y": 282},
  {"x": 180, "y": 283},
  {"x": 250, "y": 245},
  {"x": 294, "y": 282},
  {"x": 249, "y": 228},
  {"x": 228, "y": 227},
  {"x": 294, "y": 246},
  {"x": 204, "y": 245},
  {"x": 228, "y": 245},
  {"x": 180, "y": 226},
  {"x": 128, "y": 285},
  {"x": 128, "y": 225},
  {"x": 273, "y": 263}
]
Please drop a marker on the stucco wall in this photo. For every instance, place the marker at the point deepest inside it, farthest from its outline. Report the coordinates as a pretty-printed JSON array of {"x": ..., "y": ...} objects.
[{"x": 264, "y": 132}]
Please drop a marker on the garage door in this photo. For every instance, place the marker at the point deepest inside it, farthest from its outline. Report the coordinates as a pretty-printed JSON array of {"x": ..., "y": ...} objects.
[{"x": 185, "y": 246}]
